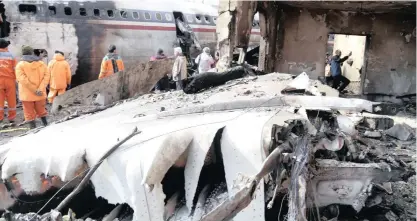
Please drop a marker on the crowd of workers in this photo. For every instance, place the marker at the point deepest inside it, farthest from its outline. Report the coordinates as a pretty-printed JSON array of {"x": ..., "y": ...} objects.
[{"x": 34, "y": 78}]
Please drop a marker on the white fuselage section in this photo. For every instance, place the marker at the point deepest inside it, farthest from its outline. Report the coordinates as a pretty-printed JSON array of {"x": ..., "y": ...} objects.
[{"x": 84, "y": 29}]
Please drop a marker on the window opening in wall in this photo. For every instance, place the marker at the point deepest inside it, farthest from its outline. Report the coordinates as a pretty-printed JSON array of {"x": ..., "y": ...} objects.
[
  {"x": 135, "y": 15},
  {"x": 168, "y": 17},
  {"x": 52, "y": 10},
  {"x": 158, "y": 16},
  {"x": 147, "y": 16},
  {"x": 83, "y": 12},
  {"x": 25, "y": 8},
  {"x": 68, "y": 11},
  {"x": 96, "y": 12},
  {"x": 348, "y": 53},
  {"x": 110, "y": 13},
  {"x": 123, "y": 14}
]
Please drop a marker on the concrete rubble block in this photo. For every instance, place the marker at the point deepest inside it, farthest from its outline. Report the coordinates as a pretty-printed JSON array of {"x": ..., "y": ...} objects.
[
  {"x": 373, "y": 134},
  {"x": 84, "y": 94},
  {"x": 325, "y": 89},
  {"x": 103, "y": 99},
  {"x": 138, "y": 80},
  {"x": 380, "y": 123},
  {"x": 346, "y": 125},
  {"x": 301, "y": 82},
  {"x": 345, "y": 183},
  {"x": 401, "y": 132},
  {"x": 142, "y": 78}
]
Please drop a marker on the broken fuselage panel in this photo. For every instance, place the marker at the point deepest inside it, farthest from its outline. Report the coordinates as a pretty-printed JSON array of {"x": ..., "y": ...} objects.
[{"x": 84, "y": 29}]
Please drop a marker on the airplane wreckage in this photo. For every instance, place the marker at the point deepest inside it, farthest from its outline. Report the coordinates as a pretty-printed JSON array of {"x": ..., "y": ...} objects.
[{"x": 247, "y": 149}]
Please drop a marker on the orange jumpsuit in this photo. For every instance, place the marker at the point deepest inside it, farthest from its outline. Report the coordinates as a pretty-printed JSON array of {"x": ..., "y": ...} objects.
[
  {"x": 7, "y": 84},
  {"x": 60, "y": 76},
  {"x": 112, "y": 63},
  {"x": 32, "y": 75}
]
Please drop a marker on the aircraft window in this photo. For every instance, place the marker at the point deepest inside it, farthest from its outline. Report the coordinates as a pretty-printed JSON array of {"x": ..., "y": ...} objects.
[
  {"x": 135, "y": 15},
  {"x": 123, "y": 14},
  {"x": 23, "y": 8},
  {"x": 189, "y": 18},
  {"x": 68, "y": 11},
  {"x": 96, "y": 12},
  {"x": 110, "y": 13},
  {"x": 215, "y": 20},
  {"x": 198, "y": 18},
  {"x": 40, "y": 53},
  {"x": 158, "y": 16},
  {"x": 168, "y": 17},
  {"x": 206, "y": 19},
  {"x": 52, "y": 10},
  {"x": 83, "y": 12},
  {"x": 147, "y": 16}
]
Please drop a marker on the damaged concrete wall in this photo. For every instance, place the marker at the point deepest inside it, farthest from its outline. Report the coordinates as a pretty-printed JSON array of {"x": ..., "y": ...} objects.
[
  {"x": 268, "y": 21},
  {"x": 225, "y": 27},
  {"x": 135, "y": 80},
  {"x": 390, "y": 56}
]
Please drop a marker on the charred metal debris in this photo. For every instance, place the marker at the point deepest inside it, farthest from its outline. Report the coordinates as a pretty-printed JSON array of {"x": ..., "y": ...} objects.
[{"x": 331, "y": 168}]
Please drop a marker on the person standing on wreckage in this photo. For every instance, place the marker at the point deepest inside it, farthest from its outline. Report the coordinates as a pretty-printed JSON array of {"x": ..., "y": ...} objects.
[
  {"x": 60, "y": 76},
  {"x": 340, "y": 82},
  {"x": 32, "y": 76},
  {"x": 112, "y": 63},
  {"x": 179, "y": 70}
]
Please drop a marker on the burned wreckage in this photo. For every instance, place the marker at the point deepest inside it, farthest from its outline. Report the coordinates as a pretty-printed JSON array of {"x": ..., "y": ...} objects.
[{"x": 268, "y": 157}]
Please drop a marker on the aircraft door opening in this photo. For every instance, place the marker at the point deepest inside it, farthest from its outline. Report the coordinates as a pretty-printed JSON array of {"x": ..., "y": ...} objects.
[{"x": 180, "y": 16}]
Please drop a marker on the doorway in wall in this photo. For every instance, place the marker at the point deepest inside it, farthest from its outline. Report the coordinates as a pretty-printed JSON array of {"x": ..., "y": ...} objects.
[{"x": 353, "y": 67}]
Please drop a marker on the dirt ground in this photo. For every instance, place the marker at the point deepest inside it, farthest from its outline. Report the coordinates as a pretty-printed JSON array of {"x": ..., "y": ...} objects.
[{"x": 19, "y": 128}]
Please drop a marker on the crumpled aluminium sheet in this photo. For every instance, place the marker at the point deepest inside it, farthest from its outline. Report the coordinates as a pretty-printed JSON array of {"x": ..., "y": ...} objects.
[{"x": 122, "y": 178}]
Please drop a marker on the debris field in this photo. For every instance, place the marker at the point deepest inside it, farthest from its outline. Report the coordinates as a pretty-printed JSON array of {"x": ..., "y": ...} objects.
[{"x": 259, "y": 147}]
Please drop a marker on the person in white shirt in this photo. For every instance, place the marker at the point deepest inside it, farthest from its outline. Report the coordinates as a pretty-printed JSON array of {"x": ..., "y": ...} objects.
[{"x": 204, "y": 61}]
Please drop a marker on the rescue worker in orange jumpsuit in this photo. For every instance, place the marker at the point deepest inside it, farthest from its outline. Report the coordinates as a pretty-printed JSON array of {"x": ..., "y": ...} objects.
[
  {"x": 112, "y": 63},
  {"x": 7, "y": 81},
  {"x": 32, "y": 76},
  {"x": 60, "y": 76}
]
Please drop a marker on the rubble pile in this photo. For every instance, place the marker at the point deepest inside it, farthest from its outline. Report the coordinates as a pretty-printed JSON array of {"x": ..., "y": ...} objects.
[
  {"x": 251, "y": 148},
  {"x": 338, "y": 165}
]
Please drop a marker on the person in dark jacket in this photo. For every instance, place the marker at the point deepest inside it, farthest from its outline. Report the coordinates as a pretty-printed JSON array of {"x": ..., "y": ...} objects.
[{"x": 340, "y": 82}]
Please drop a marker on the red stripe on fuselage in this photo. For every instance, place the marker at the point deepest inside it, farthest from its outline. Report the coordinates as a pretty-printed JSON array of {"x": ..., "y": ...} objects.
[{"x": 156, "y": 28}]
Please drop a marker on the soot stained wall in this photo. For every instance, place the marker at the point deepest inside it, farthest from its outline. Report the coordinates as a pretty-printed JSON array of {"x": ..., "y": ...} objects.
[{"x": 391, "y": 55}]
